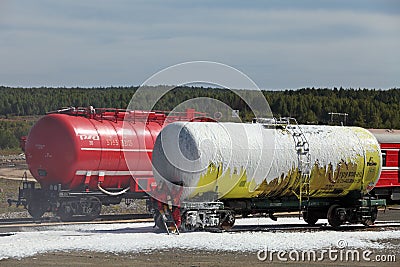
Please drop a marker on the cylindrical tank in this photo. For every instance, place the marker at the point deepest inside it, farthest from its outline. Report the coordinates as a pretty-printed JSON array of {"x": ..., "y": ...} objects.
[
  {"x": 237, "y": 160},
  {"x": 64, "y": 149}
]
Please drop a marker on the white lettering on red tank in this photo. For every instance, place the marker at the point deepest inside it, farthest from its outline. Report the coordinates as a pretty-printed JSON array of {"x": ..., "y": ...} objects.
[
  {"x": 112, "y": 142},
  {"x": 126, "y": 143},
  {"x": 89, "y": 137}
]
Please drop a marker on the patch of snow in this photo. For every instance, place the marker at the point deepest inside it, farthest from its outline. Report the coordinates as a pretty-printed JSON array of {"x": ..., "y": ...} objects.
[{"x": 141, "y": 237}]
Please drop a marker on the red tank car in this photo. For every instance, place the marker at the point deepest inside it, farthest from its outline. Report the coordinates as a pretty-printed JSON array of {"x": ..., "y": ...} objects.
[
  {"x": 388, "y": 185},
  {"x": 79, "y": 157},
  {"x": 77, "y": 151}
]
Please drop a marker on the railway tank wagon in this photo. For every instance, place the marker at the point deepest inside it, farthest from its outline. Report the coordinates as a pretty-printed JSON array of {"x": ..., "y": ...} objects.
[
  {"x": 79, "y": 157},
  {"x": 324, "y": 171},
  {"x": 388, "y": 185}
]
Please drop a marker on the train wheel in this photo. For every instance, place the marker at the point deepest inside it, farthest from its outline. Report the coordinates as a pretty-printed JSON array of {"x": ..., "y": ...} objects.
[
  {"x": 373, "y": 215},
  {"x": 65, "y": 212},
  {"x": 36, "y": 209},
  {"x": 185, "y": 226},
  {"x": 91, "y": 208},
  {"x": 84, "y": 209},
  {"x": 228, "y": 221},
  {"x": 334, "y": 218},
  {"x": 310, "y": 217}
]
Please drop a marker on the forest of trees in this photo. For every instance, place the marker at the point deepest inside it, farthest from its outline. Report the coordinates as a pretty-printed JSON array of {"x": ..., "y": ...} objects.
[{"x": 366, "y": 108}]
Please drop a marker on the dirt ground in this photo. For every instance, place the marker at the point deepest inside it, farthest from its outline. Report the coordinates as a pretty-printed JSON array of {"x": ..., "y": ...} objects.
[
  {"x": 171, "y": 258},
  {"x": 13, "y": 167}
]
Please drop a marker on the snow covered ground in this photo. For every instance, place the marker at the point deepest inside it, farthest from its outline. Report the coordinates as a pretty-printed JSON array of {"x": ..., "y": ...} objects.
[{"x": 141, "y": 237}]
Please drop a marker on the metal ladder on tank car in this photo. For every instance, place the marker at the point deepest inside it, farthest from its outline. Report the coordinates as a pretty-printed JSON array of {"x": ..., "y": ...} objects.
[
  {"x": 304, "y": 162},
  {"x": 165, "y": 220},
  {"x": 170, "y": 225}
]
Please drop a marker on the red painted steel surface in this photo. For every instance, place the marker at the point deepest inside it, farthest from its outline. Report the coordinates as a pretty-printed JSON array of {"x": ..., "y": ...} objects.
[
  {"x": 390, "y": 145},
  {"x": 80, "y": 148}
]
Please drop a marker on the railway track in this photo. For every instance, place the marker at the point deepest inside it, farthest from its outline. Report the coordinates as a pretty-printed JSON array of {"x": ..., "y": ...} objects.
[
  {"x": 378, "y": 226},
  {"x": 47, "y": 221},
  {"x": 10, "y": 225}
]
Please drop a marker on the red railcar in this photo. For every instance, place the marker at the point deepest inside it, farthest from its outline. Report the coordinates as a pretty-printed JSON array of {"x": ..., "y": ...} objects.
[
  {"x": 388, "y": 185},
  {"x": 84, "y": 158}
]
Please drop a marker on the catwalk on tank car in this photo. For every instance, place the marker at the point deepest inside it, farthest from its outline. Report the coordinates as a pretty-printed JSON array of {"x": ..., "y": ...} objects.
[
  {"x": 267, "y": 166},
  {"x": 84, "y": 158}
]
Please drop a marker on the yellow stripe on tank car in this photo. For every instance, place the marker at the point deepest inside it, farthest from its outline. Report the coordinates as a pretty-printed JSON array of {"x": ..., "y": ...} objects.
[{"x": 324, "y": 181}]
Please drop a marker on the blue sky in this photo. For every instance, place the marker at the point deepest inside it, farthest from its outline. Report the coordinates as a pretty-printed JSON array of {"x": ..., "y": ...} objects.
[{"x": 278, "y": 44}]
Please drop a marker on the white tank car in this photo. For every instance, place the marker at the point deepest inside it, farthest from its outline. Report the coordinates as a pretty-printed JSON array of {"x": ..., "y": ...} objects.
[{"x": 239, "y": 160}]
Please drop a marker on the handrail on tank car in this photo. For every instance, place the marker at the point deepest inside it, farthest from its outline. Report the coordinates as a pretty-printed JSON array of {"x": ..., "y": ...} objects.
[
  {"x": 115, "y": 114},
  {"x": 275, "y": 121}
]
